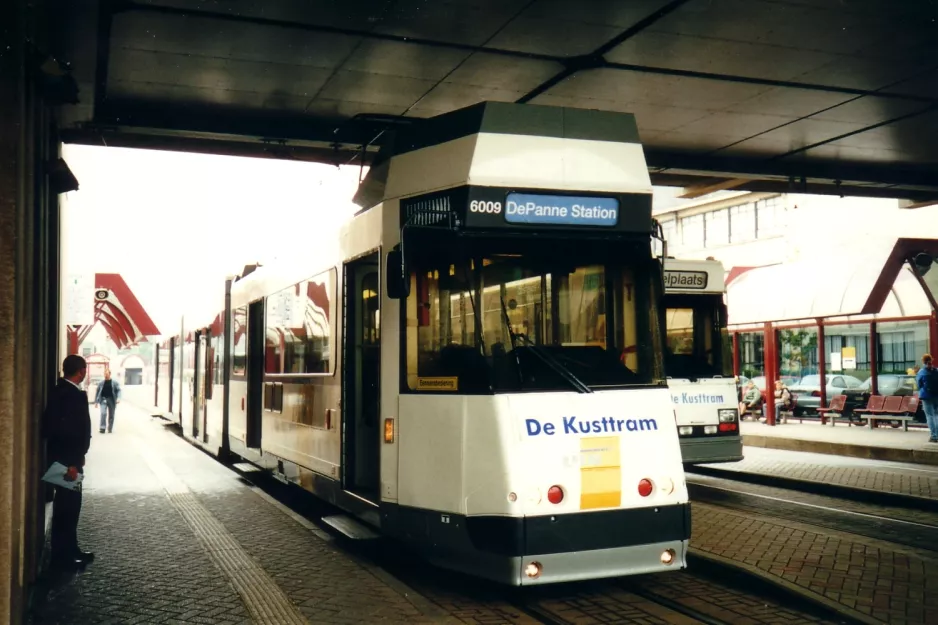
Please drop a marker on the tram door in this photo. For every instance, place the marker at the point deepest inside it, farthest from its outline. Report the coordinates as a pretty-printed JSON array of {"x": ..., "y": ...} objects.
[
  {"x": 198, "y": 409},
  {"x": 361, "y": 375},
  {"x": 255, "y": 371}
]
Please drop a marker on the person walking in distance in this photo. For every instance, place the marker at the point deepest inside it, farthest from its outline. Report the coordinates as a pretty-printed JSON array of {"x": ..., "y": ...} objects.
[
  {"x": 927, "y": 380},
  {"x": 66, "y": 425},
  {"x": 108, "y": 396}
]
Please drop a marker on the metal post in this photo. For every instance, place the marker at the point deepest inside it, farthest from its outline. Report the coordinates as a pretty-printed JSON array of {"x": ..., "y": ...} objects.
[
  {"x": 156, "y": 376},
  {"x": 736, "y": 354},
  {"x": 874, "y": 359},
  {"x": 821, "y": 365},
  {"x": 770, "y": 355},
  {"x": 933, "y": 333},
  {"x": 73, "y": 343}
]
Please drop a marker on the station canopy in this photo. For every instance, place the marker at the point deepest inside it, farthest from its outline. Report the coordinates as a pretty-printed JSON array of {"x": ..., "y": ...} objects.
[
  {"x": 817, "y": 96},
  {"x": 841, "y": 285}
]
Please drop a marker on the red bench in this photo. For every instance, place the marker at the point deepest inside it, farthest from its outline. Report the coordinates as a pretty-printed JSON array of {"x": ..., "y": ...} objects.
[{"x": 836, "y": 409}]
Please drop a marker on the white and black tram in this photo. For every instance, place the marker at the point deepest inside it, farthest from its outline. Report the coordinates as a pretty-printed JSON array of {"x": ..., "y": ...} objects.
[
  {"x": 474, "y": 364},
  {"x": 699, "y": 362}
]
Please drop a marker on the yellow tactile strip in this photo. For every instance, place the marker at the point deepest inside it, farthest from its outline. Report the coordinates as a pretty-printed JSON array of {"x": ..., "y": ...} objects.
[{"x": 262, "y": 597}]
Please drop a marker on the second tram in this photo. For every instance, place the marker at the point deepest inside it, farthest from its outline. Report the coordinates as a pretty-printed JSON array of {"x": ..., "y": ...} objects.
[{"x": 698, "y": 362}]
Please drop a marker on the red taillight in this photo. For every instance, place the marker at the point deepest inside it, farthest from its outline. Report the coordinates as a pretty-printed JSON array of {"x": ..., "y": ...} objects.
[
  {"x": 555, "y": 494},
  {"x": 815, "y": 393},
  {"x": 644, "y": 487},
  {"x": 727, "y": 427}
]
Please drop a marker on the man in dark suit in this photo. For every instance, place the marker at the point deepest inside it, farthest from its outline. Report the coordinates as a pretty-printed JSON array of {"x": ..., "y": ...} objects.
[{"x": 67, "y": 428}]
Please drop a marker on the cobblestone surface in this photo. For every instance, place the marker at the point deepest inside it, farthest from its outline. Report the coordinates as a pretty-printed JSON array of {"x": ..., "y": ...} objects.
[
  {"x": 854, "y": 473},
  {"x": 877, "y": 579},
  {"x": 151, "y": 568},
  {"x": 327, "y": 585}
]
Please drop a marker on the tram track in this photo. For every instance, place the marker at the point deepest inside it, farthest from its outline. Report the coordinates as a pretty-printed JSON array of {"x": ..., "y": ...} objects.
[
  {"x": 917, "y": 530},
  {"x": 837, "y": 491}
]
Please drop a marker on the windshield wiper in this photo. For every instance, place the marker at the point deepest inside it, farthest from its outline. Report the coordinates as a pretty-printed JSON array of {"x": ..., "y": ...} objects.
[{"x": 545, "y": 357}]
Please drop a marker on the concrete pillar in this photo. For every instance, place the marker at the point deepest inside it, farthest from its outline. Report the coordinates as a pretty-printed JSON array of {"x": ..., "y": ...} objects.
[{"x": 28, "y": 297}]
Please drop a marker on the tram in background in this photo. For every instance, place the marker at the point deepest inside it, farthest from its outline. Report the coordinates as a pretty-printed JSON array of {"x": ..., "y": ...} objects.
[
  {"x": 698, "y": 362},
  {"x": 474, "y": 364}
]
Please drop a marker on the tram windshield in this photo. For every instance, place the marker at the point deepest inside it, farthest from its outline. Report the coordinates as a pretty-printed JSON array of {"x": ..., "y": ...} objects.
[
  {"x": 511, "y": 316},
  {"x": 697, "y": 344}
]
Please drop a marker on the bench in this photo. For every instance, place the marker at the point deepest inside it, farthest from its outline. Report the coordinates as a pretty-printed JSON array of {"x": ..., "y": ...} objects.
[
  {"x": 896, "y": 408},
  {"x": 834, "y": 410}
]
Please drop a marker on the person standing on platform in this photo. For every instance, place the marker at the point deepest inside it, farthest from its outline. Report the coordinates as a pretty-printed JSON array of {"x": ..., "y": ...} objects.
[
  {"x": 108, "y": 396},
  {"x": 66, "y": 425},
  {"x": 927, "y": 380}
]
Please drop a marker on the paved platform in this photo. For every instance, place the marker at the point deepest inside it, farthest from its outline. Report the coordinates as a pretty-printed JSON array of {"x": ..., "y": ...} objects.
[
  {"x": 875, "y": 475},
  {"x": 179, "y": 538},
  {"x": 872, "y": 581},
  {"x": 881, "y": 443}
]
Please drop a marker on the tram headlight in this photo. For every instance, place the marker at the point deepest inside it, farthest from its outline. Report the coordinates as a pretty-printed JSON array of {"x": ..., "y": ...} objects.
[
  {"x": 667, "y": 557},
  {"x": 728, "y": 415},
  {"x": 710, "y": 429},
  {"x": 685, "y": 430},
  {"x": 533, "y": 570}
]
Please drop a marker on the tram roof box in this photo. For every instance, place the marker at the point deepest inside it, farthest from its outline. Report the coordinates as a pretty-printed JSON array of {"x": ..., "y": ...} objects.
[{"x": 515, "y": 146}]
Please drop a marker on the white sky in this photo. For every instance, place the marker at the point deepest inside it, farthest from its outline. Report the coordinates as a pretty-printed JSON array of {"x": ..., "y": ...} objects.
[{"x": 174, "y": 225}]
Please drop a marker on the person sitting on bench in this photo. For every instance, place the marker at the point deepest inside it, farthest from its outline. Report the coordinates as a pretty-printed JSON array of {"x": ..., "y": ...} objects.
[
  {"x": 783, "y": 400},
  {"x": 752, "y": 398}
]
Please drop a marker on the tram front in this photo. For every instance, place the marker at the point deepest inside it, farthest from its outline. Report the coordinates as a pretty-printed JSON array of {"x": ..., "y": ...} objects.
[{"x": 537, "y": 438}]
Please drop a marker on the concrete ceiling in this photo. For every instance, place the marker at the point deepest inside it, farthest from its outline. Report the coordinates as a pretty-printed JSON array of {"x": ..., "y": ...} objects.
[{"x": 802, "y": 95}]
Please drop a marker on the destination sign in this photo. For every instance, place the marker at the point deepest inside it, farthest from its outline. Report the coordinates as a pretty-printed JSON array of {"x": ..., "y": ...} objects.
[
  {"x": 685, "y": 279},
  {"x": 564, "y": 210}
]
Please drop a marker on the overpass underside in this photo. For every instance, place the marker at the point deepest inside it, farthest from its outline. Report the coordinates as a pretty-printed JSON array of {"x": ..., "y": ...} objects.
[{"x": 819, "y": 96}]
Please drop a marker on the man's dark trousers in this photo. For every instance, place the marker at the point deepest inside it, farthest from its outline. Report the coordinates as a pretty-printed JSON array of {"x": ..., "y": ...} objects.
[{"x": 66, "y": 508}]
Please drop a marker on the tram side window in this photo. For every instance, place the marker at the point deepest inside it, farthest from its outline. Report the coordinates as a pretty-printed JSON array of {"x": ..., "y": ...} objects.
[
  {"x": 239, "y": 343},
  {"x": 299, "y": 337},
  {"x": 218, "y": 343}
]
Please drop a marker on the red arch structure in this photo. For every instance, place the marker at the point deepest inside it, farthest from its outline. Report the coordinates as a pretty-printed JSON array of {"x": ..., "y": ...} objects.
[{"x": 118, "y": 310}]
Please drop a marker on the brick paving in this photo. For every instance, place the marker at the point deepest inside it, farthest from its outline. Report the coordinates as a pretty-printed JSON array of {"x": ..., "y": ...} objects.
[
  {"x": 151, "y": 568},
  {"x": 720, "y": 601},
  {"x": 854, "y": 473},
  {"x": 876, "y": 580}
]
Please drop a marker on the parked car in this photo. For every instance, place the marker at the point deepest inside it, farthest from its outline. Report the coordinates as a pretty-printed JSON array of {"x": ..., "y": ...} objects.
[
  {"x": 887, "y": 384},
  {"x": 808, "y": 390}
]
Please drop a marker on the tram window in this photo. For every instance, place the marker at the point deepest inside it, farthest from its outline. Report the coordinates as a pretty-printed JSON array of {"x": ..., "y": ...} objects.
[
  {"x": 695, "y": 343},
  {"x": 458, "y": 337},
  {"x": 299, "y": 327},
  {"x": 680, "y": 324},
  {"x": 239, "y": 343}
]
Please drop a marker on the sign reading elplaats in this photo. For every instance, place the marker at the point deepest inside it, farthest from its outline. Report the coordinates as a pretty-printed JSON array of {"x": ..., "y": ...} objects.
[
  {"x": 685, "y": 279},
  {"x": 561, "y": 210}
]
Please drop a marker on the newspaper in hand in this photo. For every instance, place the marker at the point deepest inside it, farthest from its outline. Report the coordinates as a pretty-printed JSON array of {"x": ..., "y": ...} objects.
[{"x": 57, "y": 476}]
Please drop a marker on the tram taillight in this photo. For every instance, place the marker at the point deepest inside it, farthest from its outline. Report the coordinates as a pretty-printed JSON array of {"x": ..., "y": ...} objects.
[{"x": 644, "y": 487}]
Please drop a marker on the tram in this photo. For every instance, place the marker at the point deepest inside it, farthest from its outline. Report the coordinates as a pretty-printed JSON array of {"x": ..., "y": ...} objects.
[
  {"x": 474, "y": 364},
  {"x": 698, "y": 362}
]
